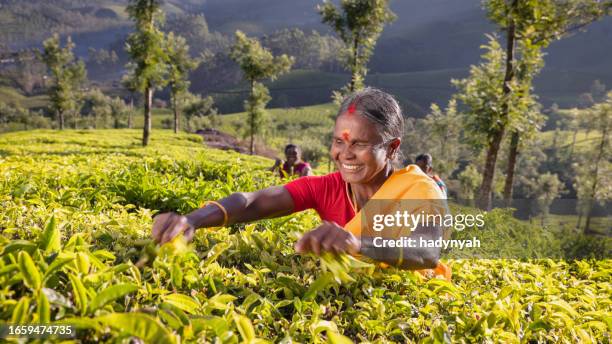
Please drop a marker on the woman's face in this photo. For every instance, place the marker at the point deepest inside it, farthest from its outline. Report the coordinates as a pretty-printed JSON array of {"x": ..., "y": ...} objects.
[{"x": 358, "y": 149}]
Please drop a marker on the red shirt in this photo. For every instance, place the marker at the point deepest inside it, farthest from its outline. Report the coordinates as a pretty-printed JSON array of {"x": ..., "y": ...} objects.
[
  {"x": 297, "y": 169},
  {"x": 325, "y": 194}
]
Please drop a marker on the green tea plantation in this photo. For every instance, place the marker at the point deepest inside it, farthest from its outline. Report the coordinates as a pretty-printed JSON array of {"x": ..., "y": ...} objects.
[{"x": 75, "y": 248}]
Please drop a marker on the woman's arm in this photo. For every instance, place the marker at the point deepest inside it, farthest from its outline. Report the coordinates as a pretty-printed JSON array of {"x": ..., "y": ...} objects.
[
  {"x": 240, "y": 207},
  {"x": 245, "y": 207},
  {"x": 411, "y": 258},
  {"x": 277, "y": 164},
  {"x": 331, "y": 237}
]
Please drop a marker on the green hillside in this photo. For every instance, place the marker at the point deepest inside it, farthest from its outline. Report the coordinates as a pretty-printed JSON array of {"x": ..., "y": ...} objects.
[
  {"x": 416, "y": 91},
  {"x": 564, "y": 139},
  {"x": 310, "y": 127},
  {"x": 11, "y": 95},
  {"x": 415, "y": 57}
]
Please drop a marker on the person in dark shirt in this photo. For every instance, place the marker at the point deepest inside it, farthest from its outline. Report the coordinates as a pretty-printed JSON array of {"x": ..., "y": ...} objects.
[
  {"x": 425, "y": 161},
  {"x": 293, "y": 165}
]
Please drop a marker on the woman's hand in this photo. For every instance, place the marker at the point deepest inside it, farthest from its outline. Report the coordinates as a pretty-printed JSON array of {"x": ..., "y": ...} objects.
[
  {"x": 328, "y": 237},
  {"x": 166, "y": 226}
]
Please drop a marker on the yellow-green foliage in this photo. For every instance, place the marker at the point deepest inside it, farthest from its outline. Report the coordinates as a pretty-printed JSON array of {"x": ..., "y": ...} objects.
[{"x": 75, "y": 248}]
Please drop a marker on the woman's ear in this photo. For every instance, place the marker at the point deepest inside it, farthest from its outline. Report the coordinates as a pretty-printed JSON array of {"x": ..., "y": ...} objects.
[{"x": 394, "y": 148}]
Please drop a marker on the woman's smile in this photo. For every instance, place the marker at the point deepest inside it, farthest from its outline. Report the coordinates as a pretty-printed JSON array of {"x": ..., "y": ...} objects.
[{"x": 351, "y": 168}]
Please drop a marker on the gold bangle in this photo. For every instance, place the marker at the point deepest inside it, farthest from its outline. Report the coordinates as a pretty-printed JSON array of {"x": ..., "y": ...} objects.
[{"x": 220, "y": 206}]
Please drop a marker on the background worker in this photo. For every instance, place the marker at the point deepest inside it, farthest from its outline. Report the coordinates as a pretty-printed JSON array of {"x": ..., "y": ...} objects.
[
  {"x": 425, "y": 162},
  {"x": 293, "y": 164}
]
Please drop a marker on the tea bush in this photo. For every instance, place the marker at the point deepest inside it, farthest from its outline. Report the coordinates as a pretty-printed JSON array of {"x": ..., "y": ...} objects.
[{"x": 75, "y": 248}]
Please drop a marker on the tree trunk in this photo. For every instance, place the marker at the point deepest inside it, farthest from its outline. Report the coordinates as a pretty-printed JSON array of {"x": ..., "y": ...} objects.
[
  {"x": 443, "y": 145},
  {"x": 176, "y": 115},
  {"x": 573, "y": 145},
  {"x": 484, "y": 197},
  {"x": 355, "y": 55},
  {"x": 131, "y": 111},
  {"x": 555, "y": 139},
  {"x": 484, "y": 193},
  {"x": 514, "y": 143},
  {"x": 252, "y": 122},
  {"x": 590, "y": 201},
  {"x": 147, "y": 115},
  {"x": 60, "y": 117}
]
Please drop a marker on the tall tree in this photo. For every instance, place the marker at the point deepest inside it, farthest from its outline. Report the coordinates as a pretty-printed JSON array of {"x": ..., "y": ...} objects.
[
  {"x": 481, "y": 94},
  {"x": 593, "y": 180},
  {"x": 146, "y": 48},
  {"x": 469, "y": 179},
  {"x": 571, "y": 120},
  {"x": 528, "y": 119},
  {"x": 548, "y": 187},
  {"x": 197, "y": 109},
  {"x": 130, "y": 83},
  {"x": 96, "y": 106},
  {"x": 257, "y": 63},
  {"x": 179, "y": 66},
  {"x": 497, "y": 130},
  {"x": 359, "y": 23},
  {"x": 484, "y": 94},
  {"x": 119, "y": 112},
  {"x": 67, "y": 74},
  {"x": 530, "y": 25}
]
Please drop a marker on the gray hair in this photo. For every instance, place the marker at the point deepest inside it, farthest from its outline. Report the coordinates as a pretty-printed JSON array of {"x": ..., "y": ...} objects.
[{"x": 380, "y": 108}]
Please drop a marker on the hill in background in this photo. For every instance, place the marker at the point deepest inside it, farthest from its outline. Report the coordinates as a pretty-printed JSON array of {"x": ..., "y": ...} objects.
[{"x": 415, "y": 58}]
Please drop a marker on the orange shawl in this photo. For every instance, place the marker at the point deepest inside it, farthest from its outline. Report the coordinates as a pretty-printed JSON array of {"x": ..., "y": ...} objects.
[{"x": 409, "y": 183}]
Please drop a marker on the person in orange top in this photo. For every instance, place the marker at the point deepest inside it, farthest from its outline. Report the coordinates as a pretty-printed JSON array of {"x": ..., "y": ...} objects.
[{"x": 366, "y": 141}]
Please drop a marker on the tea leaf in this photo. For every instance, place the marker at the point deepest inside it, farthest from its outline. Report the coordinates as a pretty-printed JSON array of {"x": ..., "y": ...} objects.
[
  {"x": 50, "y": 240},
  {"x": 29, "y": 271},
  {"x": 110, "y": 294},
  {"x": 245, "y": 327},
  {"x": 18, "y": 246},
  {"x": 44, "y": 309},
  {"x": 564, "y": 306},
  {"x": 20, "y": 312},
  {"x": 79, "y": 292},
  {"x": 337, "y": 338},
  {"x": 184, "y": 302},
  {"x": 139, "y": 325},
  {"x": 318, "y": 285}
]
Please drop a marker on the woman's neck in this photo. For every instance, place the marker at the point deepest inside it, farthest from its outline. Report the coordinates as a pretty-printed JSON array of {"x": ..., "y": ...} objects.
[{"x": 363, "y": 192}]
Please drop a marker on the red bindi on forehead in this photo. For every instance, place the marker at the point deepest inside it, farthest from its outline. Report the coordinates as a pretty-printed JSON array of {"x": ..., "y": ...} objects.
[{"x": 346, "y": 134}]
